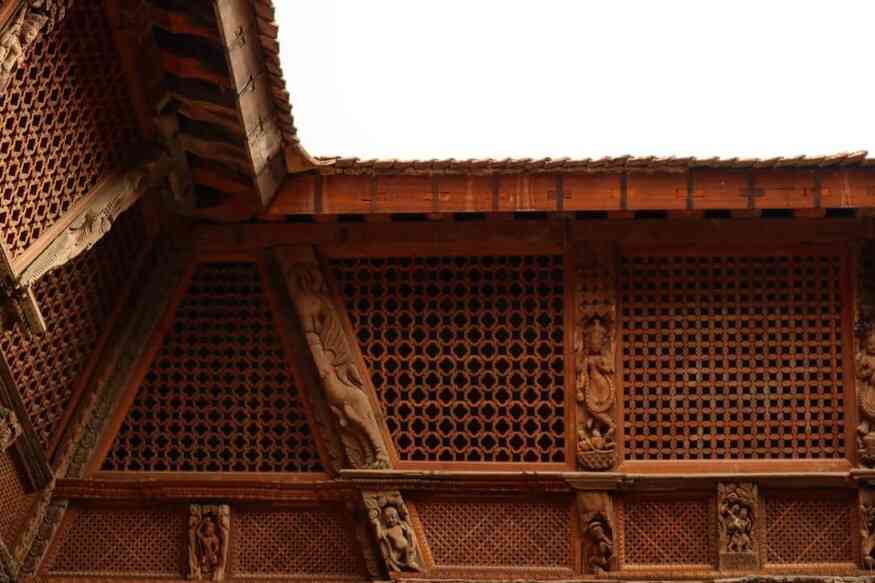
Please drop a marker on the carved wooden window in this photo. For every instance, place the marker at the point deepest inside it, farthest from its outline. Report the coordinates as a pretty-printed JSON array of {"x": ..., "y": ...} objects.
[
  {"x": 294, "y": 543},
  {"x": 465, "y": 353},
  {"x": 65, "y": 121},
  {"x": 14, "y": 500},
  {"x": 667, "y": 532},
  {"x": 805, "y": 528},
  {"x": 733, "y": 355},
  {"x": 133, "y": 542},
  {"x": 220, "y": 394},
  {"x": 76, "y": 300},
  {"x": 500, "y": 534}
]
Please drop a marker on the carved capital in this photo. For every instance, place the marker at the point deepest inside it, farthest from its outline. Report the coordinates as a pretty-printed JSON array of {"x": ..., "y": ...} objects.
[
  {"x": 10, "y": 428},
  {"x": 209, "y": 529},
  {"x": 594, "y": 346},
  {"x": 390, "y": 523},
  {"x": 736, "y": 517},
  {"x": 336, "y": 359},
  {"x": 596, "y": 522}
]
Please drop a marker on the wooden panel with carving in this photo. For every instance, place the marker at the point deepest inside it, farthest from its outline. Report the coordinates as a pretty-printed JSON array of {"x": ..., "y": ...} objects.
[
  {"x": 809, "y": 529},
  {"x": 288, "y": 542},
  {"x": 77, "y": 301},
  {"x": 498, "y": 536},
  {"x": 112, "y": 542},
  {"x": 734, "y": 355},
  {"x": 65, "y": 121},
  {"x": 663, "y": 533},
  {"x": 220, "y": 394},
  {"x": 466, "y": 354}
]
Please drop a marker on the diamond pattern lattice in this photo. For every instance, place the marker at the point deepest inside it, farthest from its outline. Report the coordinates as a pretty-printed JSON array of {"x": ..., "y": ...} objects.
[
  {"x": 465, "y": 353},
  {"x": 807, "y": 529},
  {"x": 497, "y": 534},
  {"x": 294, "y": 542},
  {"x": 661, "y": 531},
  {"x": 66, "y": 121},
  {"x": 219, "y": 395},
  {"x": 123, "y": 541},
  {"x": 733, "y": 356},
  {"x": 76, "y": 300}
]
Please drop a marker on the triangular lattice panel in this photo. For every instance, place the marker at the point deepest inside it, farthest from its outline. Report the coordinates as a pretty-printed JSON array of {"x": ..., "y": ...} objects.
[{"x": 219, "y": 394}]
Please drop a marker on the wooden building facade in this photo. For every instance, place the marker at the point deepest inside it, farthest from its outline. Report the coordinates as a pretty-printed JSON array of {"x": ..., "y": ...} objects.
[{"x": 225, "y": 359}]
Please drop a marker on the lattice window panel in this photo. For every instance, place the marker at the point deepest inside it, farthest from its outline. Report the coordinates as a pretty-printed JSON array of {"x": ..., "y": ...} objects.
[
  {"x": 76, "y": 300},
  {"x": 465, "y": 353},
  {"x": 65, "y": 121},
  {"x": 15, "y": 502},
  {"x": 806, "y": 529},
  {"x": 219, "y": 395},
  {"x": 272, "y": 543},
  {"x": 657, "y": 532},
  {"x": 733, "y": 356},
  {"x": 497, "y": 534},
  {"x": 104, "y": 541}
]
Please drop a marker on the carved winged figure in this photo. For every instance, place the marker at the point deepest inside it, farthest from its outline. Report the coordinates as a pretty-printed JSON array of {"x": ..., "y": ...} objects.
[{"x": 335, "y": 363}]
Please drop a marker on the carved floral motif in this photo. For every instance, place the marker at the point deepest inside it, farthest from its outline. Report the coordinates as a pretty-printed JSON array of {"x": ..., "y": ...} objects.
[
  {"x": 336, "y": 365},
  {"x": 594, "y": 358},
  {"x": 209, "y": 528},
  {"x": 391, "y": 524},
  {"x": 736, "y": 519}
]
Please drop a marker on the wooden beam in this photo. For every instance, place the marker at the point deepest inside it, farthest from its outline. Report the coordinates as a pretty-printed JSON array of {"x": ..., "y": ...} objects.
[
  {"x": 387, "y": 193},
  {"x": 251, "y": 84}
]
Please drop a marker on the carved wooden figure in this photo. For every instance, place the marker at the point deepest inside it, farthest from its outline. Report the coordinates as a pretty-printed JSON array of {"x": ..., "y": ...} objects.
[
  {"x": 865, "y": 365},
  {"x": 391, "y": 524},
  {"x": 209, "y": 529},
  {"x": 595, "y": 519},
  {"x": 335, "y": 362},
  {"x": 736, "y": 519},
  {"x": 10, "y": 428},
  {"x": 595, "y": 304}
]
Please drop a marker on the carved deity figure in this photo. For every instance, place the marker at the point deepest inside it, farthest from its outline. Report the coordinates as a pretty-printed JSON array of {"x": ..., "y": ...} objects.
[
  {"x": 337, "y": 369},
  {"x": 10, "y": 428},
  {"x": 208, "y": 542},
  {"x": 595, "y": 388},
  {"x": 601, "y": 547},
  {"x": 737, "y": 503},
  {"x": 390, "y": 521},
  {"x": 865, "y": 363},
  {"x": 17, "y": 40},
  {"x": 867, "y": 538}
]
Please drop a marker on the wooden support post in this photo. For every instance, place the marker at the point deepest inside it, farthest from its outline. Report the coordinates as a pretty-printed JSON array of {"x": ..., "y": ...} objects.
[{"x": 595, "y": 512}]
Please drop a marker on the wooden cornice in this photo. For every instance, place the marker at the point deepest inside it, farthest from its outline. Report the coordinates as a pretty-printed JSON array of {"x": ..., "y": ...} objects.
[{"x": 387, "y": 192}]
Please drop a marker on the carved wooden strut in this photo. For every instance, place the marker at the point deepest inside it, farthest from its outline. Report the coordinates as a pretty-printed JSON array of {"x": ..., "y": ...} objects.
[
  {"x": 10, "y": 428},
  {"x": 595, "y": 315},
  {"x": 736, "y": 519},
  {"x": 390, "y": 520},
  {"x": 208, "y": 541},
  {"x": 596, "y": 523},
  {"x": 335, "y": 362}
]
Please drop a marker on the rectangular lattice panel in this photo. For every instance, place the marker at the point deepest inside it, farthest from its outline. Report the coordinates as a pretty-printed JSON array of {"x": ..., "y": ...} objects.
[
  {"x": 663, "y": 532},
  {"x": 507, "y": 534},
  {"x": 76, "y": 300},
  {"x": 465, "y": 353},
  {"x": 733, "y": 356},
  {"x": 220, "y": 394},
  {"x": 806, "y": 529},
  {"x": 277, "y": 543},
  {"x": 132, "y": 542},
  {"x": 15, "y": 502},
  {"x": 65, "y": 121}
]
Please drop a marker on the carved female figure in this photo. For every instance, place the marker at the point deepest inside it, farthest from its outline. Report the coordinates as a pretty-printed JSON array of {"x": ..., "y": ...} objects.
[
  {"x": 208, "y": 540},
  {"x": 397, "y": 542},
  {"x": 595, "y": 385}
]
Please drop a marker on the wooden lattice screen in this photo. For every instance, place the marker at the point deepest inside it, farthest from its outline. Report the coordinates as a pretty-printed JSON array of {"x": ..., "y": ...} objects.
[
  {"x": 220, "y": 394},
  {"x": 77, "y": 300},
  {"x": 15, "y": 502},
  {"x": 465, "y": 353},
  {"x": 733, "y": 355},
  {"x": 810, "y": 528},
  {"x": 65, "y": 120}
]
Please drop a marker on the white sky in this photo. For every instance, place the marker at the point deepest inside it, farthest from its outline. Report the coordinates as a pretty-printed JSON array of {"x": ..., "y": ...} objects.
[{"x": 584, "y": 78}]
